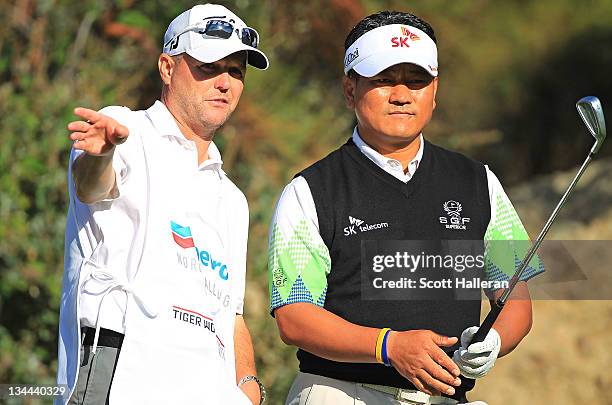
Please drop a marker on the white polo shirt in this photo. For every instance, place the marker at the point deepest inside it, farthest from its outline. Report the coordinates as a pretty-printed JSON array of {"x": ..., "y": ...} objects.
[
  {"x": 392, "y": 166},
  {"x": 110, "y": 233}
]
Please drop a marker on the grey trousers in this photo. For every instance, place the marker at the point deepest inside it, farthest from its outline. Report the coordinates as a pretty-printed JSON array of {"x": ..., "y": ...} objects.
[{"x": 96, "y": 373}]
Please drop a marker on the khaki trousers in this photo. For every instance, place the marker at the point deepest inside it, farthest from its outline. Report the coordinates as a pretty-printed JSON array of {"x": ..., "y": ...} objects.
[{"x": 311, "y": 389}]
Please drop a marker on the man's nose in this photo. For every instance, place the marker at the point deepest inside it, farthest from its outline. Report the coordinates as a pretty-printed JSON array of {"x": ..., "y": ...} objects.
[
  {"x": 400, "y": 94},
  {"x": 222, "y": 81}
]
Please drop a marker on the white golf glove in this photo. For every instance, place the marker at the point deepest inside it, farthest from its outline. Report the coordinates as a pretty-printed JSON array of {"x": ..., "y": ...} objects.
[{"x": 477, "y": 359}]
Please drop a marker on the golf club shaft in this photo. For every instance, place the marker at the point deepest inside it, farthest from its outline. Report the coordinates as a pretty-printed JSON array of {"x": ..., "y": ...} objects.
[
  {"x": 501, "y": 301},
  {"x": 498, "y": 305},
  {"x": 589, "y": 109}
]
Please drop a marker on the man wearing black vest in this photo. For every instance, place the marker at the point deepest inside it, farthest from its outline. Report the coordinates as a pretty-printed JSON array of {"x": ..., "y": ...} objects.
[{"x": 388, "y": 183}]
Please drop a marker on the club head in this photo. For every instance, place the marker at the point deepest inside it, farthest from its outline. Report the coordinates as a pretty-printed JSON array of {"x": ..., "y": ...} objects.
[{"x": 592, "y": 114}]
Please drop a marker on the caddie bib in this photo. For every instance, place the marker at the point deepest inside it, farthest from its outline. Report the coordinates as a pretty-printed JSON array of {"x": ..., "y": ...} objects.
[{"x": 176, "y": 330}]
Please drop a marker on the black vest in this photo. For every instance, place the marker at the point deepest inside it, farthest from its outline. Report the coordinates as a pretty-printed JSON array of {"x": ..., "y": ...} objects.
[{"x": 347, "y": 183}]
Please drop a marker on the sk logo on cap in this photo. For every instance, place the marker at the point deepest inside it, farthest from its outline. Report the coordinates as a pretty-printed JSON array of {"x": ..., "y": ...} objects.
[
  {"x": 402, "y": 42},
  {"x": 413, "y": 37}
]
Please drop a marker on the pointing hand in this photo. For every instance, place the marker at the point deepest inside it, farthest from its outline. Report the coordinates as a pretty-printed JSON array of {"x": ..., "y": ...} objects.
[{"x": 97, "y": 134}]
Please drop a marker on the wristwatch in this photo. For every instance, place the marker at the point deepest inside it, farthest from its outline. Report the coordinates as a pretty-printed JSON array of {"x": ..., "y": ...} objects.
[{"x": 262, "y": 389}]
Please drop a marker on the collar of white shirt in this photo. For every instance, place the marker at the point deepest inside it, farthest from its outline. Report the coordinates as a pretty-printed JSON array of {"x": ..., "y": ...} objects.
[
  {"x": 165, "y": 125},
  {"x": 391, "y": 166}
]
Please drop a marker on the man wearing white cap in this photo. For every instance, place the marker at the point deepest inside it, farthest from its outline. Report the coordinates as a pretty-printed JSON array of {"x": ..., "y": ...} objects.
[
  {"x": 387, "y": 183},
  {"x": 156, "y": 237}
]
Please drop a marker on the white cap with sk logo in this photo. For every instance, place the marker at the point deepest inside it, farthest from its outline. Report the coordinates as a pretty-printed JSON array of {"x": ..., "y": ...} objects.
[{"x": 389, "y": 45}]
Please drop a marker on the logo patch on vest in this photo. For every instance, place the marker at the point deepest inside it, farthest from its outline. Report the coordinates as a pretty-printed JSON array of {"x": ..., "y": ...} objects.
[
  {"x": 193, "y": 318},
  {"x": 358, "y": 225},
  {"x": 201, "y": 321},
  {"x": 453, "y": 218},
  {"x": 203, "y": 260}
]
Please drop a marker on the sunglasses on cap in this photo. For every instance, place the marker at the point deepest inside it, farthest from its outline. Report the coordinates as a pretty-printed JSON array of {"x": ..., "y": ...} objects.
[{"x": 223, "y": 30}]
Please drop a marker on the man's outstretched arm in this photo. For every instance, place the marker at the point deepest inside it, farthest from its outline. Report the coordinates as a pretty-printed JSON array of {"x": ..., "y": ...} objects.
[{"x": 92, "y": 171}]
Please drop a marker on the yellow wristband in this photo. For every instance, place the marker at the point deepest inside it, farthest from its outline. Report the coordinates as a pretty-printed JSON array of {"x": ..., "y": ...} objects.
[{"x": 379, "y": 343}]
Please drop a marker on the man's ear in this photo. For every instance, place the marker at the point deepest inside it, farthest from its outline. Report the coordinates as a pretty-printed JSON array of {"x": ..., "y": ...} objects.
[
  {"x": 348, "y": 86},
  {"x": 166, "y": 66}
]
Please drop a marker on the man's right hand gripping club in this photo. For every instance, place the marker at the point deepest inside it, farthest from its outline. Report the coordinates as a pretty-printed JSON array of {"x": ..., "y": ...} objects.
[
  {"x": 96, "y": 135},
  {"x": 417, "y": 355}
]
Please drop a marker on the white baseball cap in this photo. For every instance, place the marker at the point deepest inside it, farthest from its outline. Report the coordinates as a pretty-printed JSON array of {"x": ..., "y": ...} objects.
[
  {"x": 389, "y": 45},
  {"x": 210, "y": 32}
]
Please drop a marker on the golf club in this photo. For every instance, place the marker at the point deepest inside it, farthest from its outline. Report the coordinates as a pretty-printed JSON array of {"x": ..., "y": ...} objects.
[{"x": 590, "y": 110}]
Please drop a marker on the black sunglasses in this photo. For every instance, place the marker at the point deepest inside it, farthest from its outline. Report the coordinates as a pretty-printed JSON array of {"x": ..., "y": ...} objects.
[{"x": 224, "y": 30}]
